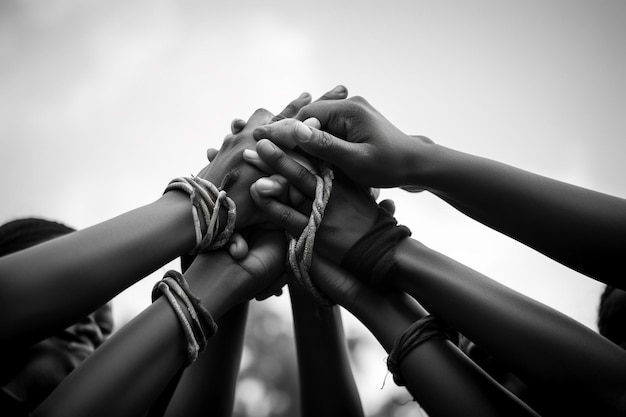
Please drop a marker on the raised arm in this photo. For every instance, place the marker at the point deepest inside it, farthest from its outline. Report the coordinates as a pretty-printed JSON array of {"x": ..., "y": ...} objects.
[
  {"x": 128, "y": 372},
  {"x": 101, "y": 261},
  {"x": 441, "y": 378},
  {"x": 555, "y": 355},
  {"x": 577, "y": 227},
  {"x": 543, "y": 347},
  {"x": 327, "y": 386}
]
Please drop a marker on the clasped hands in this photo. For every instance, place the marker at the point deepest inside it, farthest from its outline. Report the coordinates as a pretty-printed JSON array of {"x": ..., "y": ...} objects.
[{"x": 273, "y": 161}]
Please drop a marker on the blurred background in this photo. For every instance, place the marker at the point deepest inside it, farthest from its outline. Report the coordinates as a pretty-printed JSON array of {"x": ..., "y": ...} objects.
[{"x": 103, "y": 102}]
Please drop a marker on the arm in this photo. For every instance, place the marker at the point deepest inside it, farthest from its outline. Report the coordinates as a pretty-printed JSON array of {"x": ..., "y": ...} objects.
[
  {"x": 553, "y": 354},
  {"x": 544, "y": 347},
  {"x": 210, "y": 382},
  {"x": 580, "y": 228},
  {"x": 438, "y": 375},
  {"x": 434, "y": 370},
  {"x": 101, "y": 261},
  {"x": 327, "y": 386},
  {"x": 141, "y": 358},
  {"x": 97, "y": 263}
]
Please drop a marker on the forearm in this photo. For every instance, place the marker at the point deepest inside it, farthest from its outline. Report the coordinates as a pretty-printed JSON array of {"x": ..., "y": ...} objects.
[
  {"x": 580, "y": 228},
  {"x": 327, "y": 386},
  {"x": 539, "y": 344},
  {"x": 210, "y": 383},
  {"x": 438, "y": 375},
  {"x": 97, "y": 263},
  {"x": 128, "y": 372}
]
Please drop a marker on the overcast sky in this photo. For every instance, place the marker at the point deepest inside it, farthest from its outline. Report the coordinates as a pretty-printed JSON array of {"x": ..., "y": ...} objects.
[{"x": 103, "y": 102}]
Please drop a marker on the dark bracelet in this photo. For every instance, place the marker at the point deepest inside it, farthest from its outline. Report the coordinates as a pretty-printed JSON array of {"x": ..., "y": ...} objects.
[
  {"x": 371, "y": 258},
  {"x": 425, "y": 329}
]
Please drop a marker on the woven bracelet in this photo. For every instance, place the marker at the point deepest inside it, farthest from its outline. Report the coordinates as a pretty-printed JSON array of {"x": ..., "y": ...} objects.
[
  {"x": 206, "y": 201},
  {"x": 425, "y": 329},
  {"x": 210, "y": 326},
  {"x": 173, "y": 285},
  {"x": 193, "y": 348}
]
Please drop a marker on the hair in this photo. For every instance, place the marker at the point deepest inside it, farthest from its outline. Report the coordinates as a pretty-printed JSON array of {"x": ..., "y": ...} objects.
[
  {"x": 20, "y": 234},
  {"x": 612, "y": 315}
]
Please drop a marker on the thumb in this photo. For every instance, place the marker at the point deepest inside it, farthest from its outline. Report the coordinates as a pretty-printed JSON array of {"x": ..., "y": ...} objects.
[{"x": 327, "y": 147}]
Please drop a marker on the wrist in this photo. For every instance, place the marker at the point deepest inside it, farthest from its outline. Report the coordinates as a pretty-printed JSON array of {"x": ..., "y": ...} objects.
[
  {"x": 212, "y": 278},
  {"x": 424, "y": 159},
  {"x": 387, "y": 321}
]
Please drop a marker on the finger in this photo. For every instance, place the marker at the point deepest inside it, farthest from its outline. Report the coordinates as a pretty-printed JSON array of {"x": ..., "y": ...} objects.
[
  {"x": 253, "y": 158},
  {"x": 293, "y": 108},
  {"x": 333, "y": 114},
  {"x": 325, "y": 146},
  {"x": 281, "y": 133},
  {"x": 276, "y": 289},
  {"x": 259, "y": 117},
  {"x": 338, "y": 93},
  {"x": 278, "y": 213},
  {"x": 274, "y": 186},
  {"x": 237, "y": 246},
  {"x": 211, "y": 153},
  {"x": 389, "y": 206},
  {"x": 237, "y": 126},
  {"x": 297, "y": 175}
]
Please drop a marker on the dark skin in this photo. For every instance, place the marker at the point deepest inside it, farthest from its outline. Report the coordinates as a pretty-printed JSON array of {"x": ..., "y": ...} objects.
[
  {"x": 490, "y": 314},
  {"x": 580, "y": 228},
  {"x": 439, "y": 376}
]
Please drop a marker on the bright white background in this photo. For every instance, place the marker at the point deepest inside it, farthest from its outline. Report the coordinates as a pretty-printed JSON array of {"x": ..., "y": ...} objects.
[{"x": 103, "y": 102}]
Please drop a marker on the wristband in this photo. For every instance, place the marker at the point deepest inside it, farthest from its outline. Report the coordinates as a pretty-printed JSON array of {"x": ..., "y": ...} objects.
[{"x": 371, "y": 257}]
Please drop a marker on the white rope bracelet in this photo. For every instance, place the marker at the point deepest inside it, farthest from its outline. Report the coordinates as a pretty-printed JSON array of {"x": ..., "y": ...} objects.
[
  {"x": 300, "y": 253},
  {"x": 206, "y": 201}
]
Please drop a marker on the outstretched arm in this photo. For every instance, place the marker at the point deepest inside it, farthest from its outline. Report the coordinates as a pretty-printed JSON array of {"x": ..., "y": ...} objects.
[
  {"x": 101, "y": 261},
  {"x": 327, "y": 386},
  {"x": 438, "y": 375},
  {"x": 555, "y": 355},
  {"x": 141, "y": 358},
  {"x": 539, "y": 344},
  {"x": 577, "y": 227},
  {"x": 441, "y": 378},
  {"x": 210, "y": 382}
]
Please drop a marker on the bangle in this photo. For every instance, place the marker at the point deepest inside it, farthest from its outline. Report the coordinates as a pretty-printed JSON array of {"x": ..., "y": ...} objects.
[
  {"x": 425, "y": 329},
  {"x": 173, "y": 284},
  {"x": 206, "y": 201}
]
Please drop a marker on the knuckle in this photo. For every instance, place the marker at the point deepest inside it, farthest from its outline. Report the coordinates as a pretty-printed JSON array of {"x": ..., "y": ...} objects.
[
  {"x": 325, "y": 140},
  {"x": 284, "y": 215}
]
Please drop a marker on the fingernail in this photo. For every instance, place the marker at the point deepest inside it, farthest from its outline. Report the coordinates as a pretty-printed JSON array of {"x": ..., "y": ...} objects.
[
  {"x": 313, "y": 122},
  {"x": 264, "y": 184},
  {"x": 250, "y": 154},
  {"x": 339, "y": 89},
  {"x": 260, "y": 132},
  {"x": 266, "y": 145},
  {"x": 303, "y": 133},
  {"x": 304, "y": 95}
]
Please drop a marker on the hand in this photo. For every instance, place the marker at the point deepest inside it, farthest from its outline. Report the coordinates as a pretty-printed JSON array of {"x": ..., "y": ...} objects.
[
  {"x": 259, "y": 274},
  {"x": 350, "y": 212},
  {"x": 354, "y": 137},
  {"x": 228, "y": 161}
]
